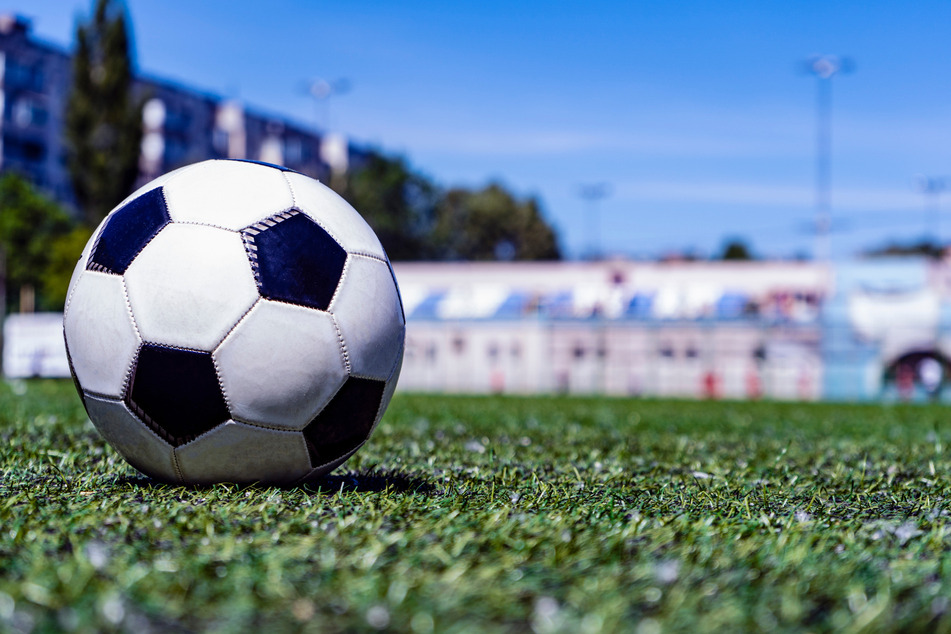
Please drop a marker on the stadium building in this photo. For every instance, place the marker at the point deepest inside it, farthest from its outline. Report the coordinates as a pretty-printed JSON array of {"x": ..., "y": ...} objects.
[
  {"x": 181, "y": 125},
  {"x": 875, "y": 329}
]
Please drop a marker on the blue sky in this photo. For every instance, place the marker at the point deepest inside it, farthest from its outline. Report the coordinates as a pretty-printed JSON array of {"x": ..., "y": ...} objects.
[{"x": 695, "y": 113}]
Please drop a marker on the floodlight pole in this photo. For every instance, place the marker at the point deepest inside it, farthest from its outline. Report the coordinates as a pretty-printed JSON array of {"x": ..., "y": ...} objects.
[
  {"x": 593, "y": 194},
  {"x": 932, "y": 187},
  {"x": 824, "y": 68},
  {"x": 321, "y": 90}
]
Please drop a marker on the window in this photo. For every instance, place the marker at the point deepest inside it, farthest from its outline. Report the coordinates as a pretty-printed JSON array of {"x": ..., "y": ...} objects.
[
  {"x": 219, "y": 140},
  {"x": 29, "y": 150},
  {"x": 293, "y": 151},
  {"x": 25, "y": 77},
  {"x": 25, "y": 112}
]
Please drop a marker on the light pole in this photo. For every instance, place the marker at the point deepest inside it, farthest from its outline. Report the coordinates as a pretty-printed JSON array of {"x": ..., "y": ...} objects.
[
  {"x": 932, "y": 187},
  {"x": 593, "y": 194},
  {"x": 322, "y": 90},
  {"x": 824, "y": 68},
  {"x": 334, "y": 147}
]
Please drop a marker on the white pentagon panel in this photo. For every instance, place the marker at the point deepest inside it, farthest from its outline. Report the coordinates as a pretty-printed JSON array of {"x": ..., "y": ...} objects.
[
  {"x": 335, "y": 215},
  {"x": 368, "y": 313},
  {"x": 235, "y": 452},
  {"x": 190, "y": 285},
  {"x": 228, "y": 194},
  {"x": 135, "y": 442},
  {"x": 100, "y": 334},
  {"x": 281, "y": 365}
]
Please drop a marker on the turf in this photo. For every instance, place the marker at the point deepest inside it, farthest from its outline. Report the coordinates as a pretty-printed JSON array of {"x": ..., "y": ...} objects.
[{"x": 497, "y": 514}]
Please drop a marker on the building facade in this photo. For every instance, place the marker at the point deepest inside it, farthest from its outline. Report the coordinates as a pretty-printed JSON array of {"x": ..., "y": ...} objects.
[
  {"x": 876, "y": 329},
  {"x": 181, "y": 125}
]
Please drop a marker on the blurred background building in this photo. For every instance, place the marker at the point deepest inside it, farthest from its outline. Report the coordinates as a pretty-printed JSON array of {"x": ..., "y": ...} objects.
[
  {"x": 852, "y": 331},
  {"x": 181, "y": 125}
]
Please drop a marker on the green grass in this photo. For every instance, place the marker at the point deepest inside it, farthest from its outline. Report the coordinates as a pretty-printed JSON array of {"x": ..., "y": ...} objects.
[{"x": 497, "y": 514}]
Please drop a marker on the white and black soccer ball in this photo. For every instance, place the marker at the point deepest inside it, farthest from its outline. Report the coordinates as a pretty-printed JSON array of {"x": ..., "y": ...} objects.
[{"x": 234, "y": 321}]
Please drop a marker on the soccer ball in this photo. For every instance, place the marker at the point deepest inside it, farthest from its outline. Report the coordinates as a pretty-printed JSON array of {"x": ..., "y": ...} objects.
[{"x": 234, "y": 321}]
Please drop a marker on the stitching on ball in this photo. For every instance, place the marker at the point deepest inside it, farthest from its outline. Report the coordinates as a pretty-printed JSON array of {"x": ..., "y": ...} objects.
[
  {"x": 290, "y": 187},
  {"x": 236, "y": 324},
  {"x": 370, "y": 256},
  {"x": 214, "y": 361},
  {"x": 130, "y": 372},
  {"x": 343, "y": 345},
  {"x": 379, "y": 408},
  {"x": 103, "y": 396},
  {"x": 69, "y": 297},
  {"x": 301, "y": 208},
  {"x": 98, "y": 268},
  {"x": 249, "y": 232},
  {"x": 177, "y": 466},
  {"x": 155, "y": 427},
  {"x": 128, "y": 306},
  {"x": 368, "y": 377},
  {"x": 195, "y": 223},
  {"x": 95, "y": 244},
  {"x": 249, "y": 423},
  {"x": 340, "y": 282}
]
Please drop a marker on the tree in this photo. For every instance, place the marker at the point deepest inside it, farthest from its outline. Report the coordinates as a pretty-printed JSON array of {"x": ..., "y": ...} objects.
[
  {"x": 396, "y": 202},
  {"x": 490, "y": 224},
  {"x": 925, "y": 247},
  {"x": 40, "y": 242},
  {"x": 736, "y": 250},
  {"x": 103, "y": 118},
  {"x": 416, "y": 220}
]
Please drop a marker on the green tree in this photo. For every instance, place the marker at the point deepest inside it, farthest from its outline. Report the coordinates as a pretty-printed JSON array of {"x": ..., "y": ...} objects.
[
  {"x": 397, "y": 202},
  {"x": 925, "y": 247},
  {"x": 103, "y": 118},
  {"x": 491, "y": 224},
  {"x": 40, "y": 243},
  {"x": 736, "y": 250}
]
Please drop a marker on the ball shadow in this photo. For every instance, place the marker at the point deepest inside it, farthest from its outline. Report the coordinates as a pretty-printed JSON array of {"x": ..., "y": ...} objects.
[
  {"x": 375, "y": 481},
  {"x": 372, "y": 481}
]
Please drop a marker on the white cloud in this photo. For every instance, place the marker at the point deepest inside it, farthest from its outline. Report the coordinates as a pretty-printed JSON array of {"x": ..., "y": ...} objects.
[
  {"x": 550, "y": 143},
  {"x": 856, "y": 199}
]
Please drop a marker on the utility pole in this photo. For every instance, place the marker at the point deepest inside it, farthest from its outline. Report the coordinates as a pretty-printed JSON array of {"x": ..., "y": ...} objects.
[
  {"x": 334, "y": 146},
  {"x": 932, "y": 187},
  {"x": 593, "y": 194},
  {"x": 824, "y": 68}
]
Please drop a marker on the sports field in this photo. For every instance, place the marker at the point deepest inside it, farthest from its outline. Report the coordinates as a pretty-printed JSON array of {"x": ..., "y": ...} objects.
[{"x": 497, "y": 514}]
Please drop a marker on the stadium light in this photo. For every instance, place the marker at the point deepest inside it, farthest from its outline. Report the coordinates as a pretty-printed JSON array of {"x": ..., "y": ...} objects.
[
  {"x": 932, "y": 187},
  {"x": 322, "y": 90},
  {"x": 593, "y": 194},
  {"x": 334, "y": 147},
  {"x": 824, "y": 68}
]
